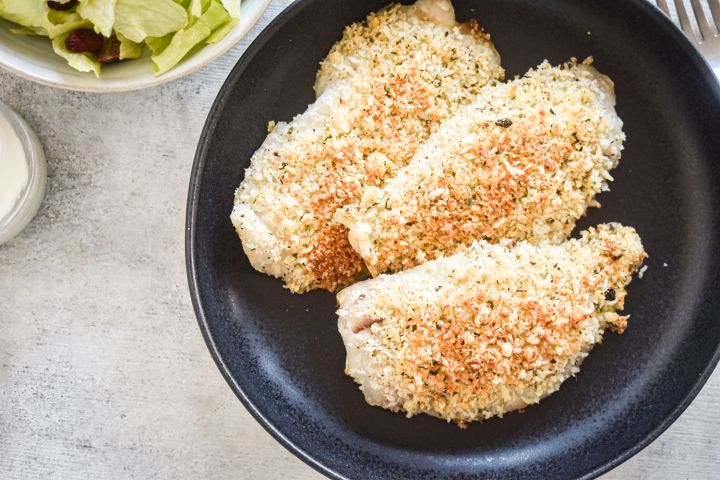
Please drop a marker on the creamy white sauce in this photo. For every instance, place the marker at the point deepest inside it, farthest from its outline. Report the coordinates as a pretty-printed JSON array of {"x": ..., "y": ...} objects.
[{"x": 14, "y": 174}]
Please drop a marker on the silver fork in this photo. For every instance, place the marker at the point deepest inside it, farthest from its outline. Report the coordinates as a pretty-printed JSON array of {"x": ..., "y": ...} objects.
[{"x": 708, "y": 42}]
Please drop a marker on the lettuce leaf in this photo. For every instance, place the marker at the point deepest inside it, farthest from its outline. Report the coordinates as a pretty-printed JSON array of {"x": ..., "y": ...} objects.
[
  {"x": 129, "y": 49},
  {"x": 35, "y": 17},
  {"x": 139, "y": 19},
  {"x": 83, "y": 62},
  {"x": 197, "y": 7},
  {"x": 181, "y": 44},
  {"x": 158, "y": 44},
  {"x": 187, "y": 39},
  {"x": 62, "y": 23},
  {"x": 101, "y": 13},
  {"x": 232, "y": 7},
  {"x": 32, "y": 14},
  {"x": 215, "y": 16},
  {"x": 222, "y": 32}
]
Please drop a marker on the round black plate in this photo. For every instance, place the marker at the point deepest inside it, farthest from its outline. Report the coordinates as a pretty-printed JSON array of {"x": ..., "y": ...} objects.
[{"x": 282, "y": 355}]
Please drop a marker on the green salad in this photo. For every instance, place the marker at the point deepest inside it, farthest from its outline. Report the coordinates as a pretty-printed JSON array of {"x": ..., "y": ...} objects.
[{"x": 90, "y": 33}]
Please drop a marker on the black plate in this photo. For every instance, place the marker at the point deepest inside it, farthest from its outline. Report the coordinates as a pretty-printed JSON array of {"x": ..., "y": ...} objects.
[{"x": 282, "y": 355}]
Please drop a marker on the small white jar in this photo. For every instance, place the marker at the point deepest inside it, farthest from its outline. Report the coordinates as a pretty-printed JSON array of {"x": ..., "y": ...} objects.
[{"x": 23, "y": 174}]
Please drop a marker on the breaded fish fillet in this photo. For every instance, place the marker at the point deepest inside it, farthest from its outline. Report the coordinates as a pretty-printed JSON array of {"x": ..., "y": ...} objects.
[
  {"x": 384, "y": 88},
  {"x": 490, "y": 330},
  {"x": 365, "y": 45},
  {"x": 524, "y": 161}
]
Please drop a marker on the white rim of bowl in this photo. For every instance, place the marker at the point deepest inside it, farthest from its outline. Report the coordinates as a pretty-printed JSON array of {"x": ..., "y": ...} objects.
[
  {"x": 179, "y": 71},
  {"x": 33, "y": 194}
]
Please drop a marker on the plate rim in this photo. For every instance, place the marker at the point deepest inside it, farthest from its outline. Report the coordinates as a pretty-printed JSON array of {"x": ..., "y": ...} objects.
[{"x": 651, "y": 13}]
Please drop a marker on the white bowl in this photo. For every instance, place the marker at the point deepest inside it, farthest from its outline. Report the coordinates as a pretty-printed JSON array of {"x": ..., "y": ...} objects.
[
  {"x": 32, "y": 57},
  {"x": 31, "y": 196}
]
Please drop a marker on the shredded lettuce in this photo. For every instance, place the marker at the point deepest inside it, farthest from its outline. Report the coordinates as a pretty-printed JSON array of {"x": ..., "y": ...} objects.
[
  {"x": 139, "y": 19},
  {"x": 222, "y": 32},
  {"x": 187, "y": 39},
  {"x": 197, "y": 7},
  {"x": 32, "y": 14},
  {"x": 101, "y": 13},
  {"x": 62, "y": 23},
  {"x": 158, "y": 44},
  {"x": 171, "y": 29},
  {"x": 129, "y": 49},
  {"x": 215, "y": 16},
  {"x": 83, "y": 62},
  {"x": 232, "y": 7}
]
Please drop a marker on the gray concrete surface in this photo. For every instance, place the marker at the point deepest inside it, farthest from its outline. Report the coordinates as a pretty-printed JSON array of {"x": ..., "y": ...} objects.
[{"x": 103, "y": 371}]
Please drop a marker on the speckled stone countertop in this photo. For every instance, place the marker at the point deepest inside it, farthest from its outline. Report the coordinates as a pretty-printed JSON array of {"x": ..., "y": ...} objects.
[{"x": 103, "y": 370}]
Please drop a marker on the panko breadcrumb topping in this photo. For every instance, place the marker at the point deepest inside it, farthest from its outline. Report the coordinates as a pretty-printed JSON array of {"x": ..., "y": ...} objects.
[
  {"x": 383, "y": 90},
  {"x": 490, "y": 330},
  {"x": 524, "y": 160}
]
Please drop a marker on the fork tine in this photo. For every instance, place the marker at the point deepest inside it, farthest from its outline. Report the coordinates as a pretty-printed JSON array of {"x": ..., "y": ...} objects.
[
  {"x": 715, "y": 10},
  {"x": 705, "y": 31},
  {"x": 662, "y": 4},
  {"x": 684, "y": 20}
]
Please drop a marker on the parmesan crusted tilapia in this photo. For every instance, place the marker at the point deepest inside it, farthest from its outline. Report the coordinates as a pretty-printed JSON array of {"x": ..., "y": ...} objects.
[
  {"x": 490, "y": 330},
  {"x": 382, "y": 91},
  {"x": 524, "y": 161}
]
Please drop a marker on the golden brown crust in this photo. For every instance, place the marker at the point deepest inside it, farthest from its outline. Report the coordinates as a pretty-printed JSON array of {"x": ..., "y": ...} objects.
[
  {"x": 524, "y": 161},
  {"x": 503, "y": 325},
  {"x": 385, "y": 87}
]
